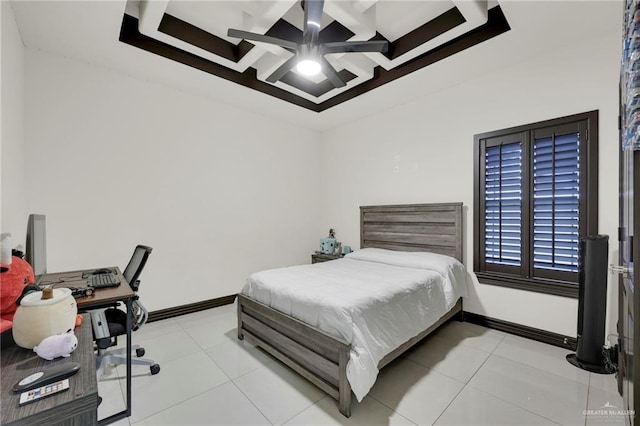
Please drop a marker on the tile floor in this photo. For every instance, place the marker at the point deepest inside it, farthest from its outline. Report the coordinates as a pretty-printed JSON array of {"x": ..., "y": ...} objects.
[{"x": 462, "y": 375}]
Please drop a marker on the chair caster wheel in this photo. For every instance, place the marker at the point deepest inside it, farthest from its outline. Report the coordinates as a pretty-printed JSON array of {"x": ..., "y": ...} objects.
[
  {"x": 140, "y": 352},
  {"x": 155, "y": 369}
]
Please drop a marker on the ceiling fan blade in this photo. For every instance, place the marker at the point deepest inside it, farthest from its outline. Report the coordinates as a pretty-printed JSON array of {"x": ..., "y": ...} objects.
[
  {"x": 312, "y": 21},
  {"x": 283, "y": 69},
  {"x": 330, "y": 72},
  {"x": 262, "y": 38},
  {"x": 355, "y": 46}
]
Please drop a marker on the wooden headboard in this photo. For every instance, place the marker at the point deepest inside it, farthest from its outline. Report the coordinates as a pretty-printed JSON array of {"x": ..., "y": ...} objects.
[{"x": 434, "y": 228}]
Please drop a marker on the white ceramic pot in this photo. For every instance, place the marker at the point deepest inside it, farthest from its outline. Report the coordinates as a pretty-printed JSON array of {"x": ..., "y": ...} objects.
[{"x": 37, "y": 318}]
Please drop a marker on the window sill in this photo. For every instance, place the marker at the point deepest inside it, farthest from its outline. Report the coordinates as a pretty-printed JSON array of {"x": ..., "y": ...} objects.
[{"x": 556, "y": 288}]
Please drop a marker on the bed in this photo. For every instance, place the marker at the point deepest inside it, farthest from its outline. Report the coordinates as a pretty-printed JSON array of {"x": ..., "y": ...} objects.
[{"x": 332, "y": 357}]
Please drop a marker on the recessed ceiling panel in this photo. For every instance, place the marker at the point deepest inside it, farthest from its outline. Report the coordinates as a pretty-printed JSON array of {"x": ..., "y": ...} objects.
[
  {"x": 396, "y": 19},
  {"x": 214, "y": 17},
  {"x": 414, "y": 34}
]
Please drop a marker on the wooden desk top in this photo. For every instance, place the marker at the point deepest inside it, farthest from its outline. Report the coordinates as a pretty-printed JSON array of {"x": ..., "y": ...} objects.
[
  {"x": 81, "y": 400},
  {"x": 101, "y": 296}
]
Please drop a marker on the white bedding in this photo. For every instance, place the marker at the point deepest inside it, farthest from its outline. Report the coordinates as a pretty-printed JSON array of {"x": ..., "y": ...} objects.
[{"x": 374, "y": 299}]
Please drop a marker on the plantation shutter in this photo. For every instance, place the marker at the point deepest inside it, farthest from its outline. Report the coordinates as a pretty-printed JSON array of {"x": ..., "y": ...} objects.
[
  {"x": 556, "y": 204},
  {"x": 536, "y": 195},
  {"x": 503, "y": 206}
]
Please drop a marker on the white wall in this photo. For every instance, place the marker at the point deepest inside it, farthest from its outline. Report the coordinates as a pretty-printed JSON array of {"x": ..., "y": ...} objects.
[
  {"x": 219, "y": 192},
  {"x": 13, "y": 212},
  {"x": 434, "y": 138},
  {"x": 115, "y": 161}
]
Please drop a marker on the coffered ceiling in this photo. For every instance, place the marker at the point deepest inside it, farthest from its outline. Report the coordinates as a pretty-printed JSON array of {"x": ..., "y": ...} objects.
[
  {"x": 419, "y": 33},
  {"x": 433, "y": 45}
]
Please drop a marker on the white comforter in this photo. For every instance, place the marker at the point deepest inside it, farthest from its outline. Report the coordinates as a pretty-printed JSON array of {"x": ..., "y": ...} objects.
[{"x": 374, "y": 299}]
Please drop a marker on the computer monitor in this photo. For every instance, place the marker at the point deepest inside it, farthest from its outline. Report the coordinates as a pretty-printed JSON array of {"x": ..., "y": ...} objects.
[{"x": 36, "y": 250}]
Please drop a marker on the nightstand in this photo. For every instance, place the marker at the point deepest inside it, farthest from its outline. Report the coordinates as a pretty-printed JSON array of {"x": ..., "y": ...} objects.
[{"x": 321, "y": 257}]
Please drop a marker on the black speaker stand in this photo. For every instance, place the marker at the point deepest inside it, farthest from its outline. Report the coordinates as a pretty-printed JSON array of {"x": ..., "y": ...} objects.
[{"x": 594, "y": 368}]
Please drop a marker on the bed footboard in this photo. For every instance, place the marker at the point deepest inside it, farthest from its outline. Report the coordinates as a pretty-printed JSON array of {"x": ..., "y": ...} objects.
[{"x": 318, "y": 357}]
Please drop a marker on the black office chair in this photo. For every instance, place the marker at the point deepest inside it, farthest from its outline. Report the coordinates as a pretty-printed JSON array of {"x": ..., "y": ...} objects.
[{"x": 110, "y": 323}]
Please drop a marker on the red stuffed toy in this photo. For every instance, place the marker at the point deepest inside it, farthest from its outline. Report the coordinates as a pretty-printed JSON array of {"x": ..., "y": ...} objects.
[{"x": 13, "y": 279}]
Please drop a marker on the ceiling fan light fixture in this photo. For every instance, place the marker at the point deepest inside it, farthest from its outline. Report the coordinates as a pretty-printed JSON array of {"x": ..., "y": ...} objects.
[
  {"x": 309, "y": 67},
  {"x": 308, "y": 59}
]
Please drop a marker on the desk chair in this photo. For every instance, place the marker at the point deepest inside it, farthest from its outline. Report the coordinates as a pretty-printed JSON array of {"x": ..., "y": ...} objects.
[{"x": 110, "y": 323}]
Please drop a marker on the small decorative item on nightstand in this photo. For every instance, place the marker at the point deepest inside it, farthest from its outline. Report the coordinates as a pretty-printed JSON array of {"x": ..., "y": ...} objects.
[{"x": 328, "y": 245}]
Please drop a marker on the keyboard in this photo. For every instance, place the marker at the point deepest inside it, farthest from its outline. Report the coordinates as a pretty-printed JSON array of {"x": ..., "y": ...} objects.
[{"x": 103, "y": 280}]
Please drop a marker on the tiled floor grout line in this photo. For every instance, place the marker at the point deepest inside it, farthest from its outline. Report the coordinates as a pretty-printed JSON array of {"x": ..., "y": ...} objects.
[
  {"x": 467, "y": 384},
  {"x": 499, "y": 343},
  {"x": 508, "y": 402},
  {"x": 203, "y": 392},
  {"x": 540, "y": 369},
  {"x": 449, "y": 404},
  {"x": 174, "y": 359},
  {"x": 176, "y": 404},
  {"x": 385, "y": 405},
  {"x": 247, "y": 396},
  {"x": 478, "y": 369},
  {"x": 146, "y": 355},
  {"x": 303, "y": 410},
  {"x": 393, "y": 411},
  {"x": 390, "y": 409},
  {"x": 532, "y": 366},
  {"x": 428, "y": 368},
  {"x": 587, "y": 401},
  {"x": 263, "y": 366},
  {"x": 122, "y": 391},
  {"x": 588, "y": 385},
  {"x": 251, "y": 401},
  {"x": 494, "y": 396}
]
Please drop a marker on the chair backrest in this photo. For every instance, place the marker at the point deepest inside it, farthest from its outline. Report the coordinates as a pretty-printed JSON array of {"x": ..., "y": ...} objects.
[{"x": 136, "y": 265}]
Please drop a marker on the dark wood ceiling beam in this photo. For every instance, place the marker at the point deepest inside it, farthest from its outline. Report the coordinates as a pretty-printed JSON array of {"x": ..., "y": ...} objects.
[
  {"x": 426, "y": 32},
  {"x": 182, "y": 30},
  {"x": 495, "y": 25},
  {"x": 130, "y": 34}
]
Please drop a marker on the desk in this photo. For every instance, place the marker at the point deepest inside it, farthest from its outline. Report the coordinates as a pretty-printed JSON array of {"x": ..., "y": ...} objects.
[
  {"x": 100, "y": 298},
  {"x": 76, "y": 406}
]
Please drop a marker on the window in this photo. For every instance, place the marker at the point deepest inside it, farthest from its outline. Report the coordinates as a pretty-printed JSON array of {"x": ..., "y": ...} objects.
[{"x": 535, "y": 197}]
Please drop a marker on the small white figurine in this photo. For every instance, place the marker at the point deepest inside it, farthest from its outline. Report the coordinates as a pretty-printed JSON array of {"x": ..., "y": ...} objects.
[{"x": 57, "y": 345}]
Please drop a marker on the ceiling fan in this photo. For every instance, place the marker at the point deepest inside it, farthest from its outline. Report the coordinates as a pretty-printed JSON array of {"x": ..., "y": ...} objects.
[{"x": 308, "y": 56}]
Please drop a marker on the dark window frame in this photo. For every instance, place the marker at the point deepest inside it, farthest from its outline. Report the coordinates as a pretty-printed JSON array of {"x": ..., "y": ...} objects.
[{"x": 588, "y": 203}]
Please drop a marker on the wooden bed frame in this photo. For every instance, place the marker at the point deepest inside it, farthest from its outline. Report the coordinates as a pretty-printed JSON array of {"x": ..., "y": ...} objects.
[{"x": 322, "y": 359}]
